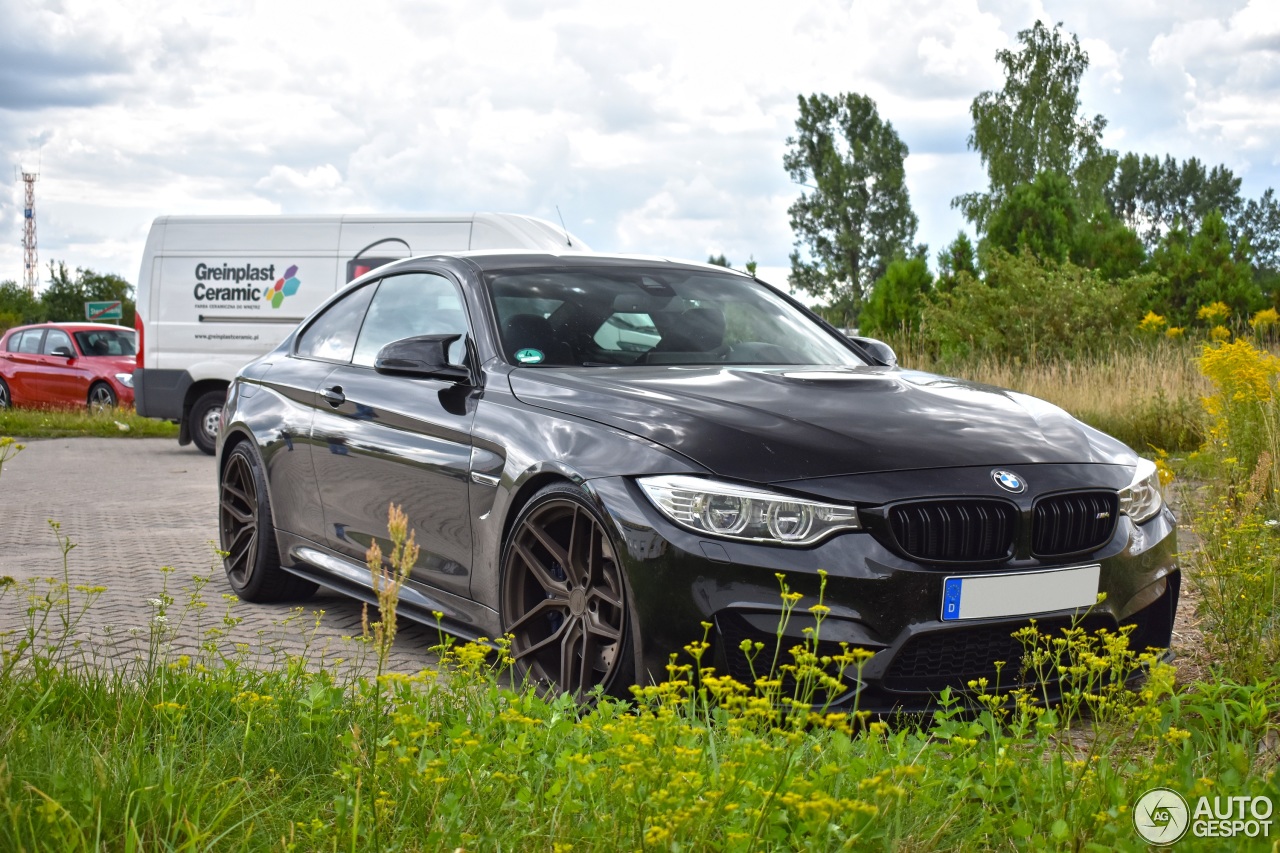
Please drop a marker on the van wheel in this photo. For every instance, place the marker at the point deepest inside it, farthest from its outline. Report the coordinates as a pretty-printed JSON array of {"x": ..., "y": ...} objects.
[
  {"x": 248, "y": 536},
  {"x": 205, "y": 419}
]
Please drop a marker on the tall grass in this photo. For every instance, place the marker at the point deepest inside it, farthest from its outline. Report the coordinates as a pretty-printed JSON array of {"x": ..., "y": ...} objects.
[
  {"x": 1147, "y": 396},
  {"x": 62, "y": 423}
]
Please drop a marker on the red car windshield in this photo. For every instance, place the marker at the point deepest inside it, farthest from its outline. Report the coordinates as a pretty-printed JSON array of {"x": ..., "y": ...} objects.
[{"x": 106, "y": 342}]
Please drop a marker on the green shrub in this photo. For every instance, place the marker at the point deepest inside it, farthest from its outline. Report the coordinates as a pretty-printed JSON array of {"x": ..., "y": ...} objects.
[{"x": 1029, "y": 310}]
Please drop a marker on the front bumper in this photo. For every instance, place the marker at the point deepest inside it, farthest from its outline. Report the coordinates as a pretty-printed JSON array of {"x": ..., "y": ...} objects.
[{"x": 878, "y": 600}]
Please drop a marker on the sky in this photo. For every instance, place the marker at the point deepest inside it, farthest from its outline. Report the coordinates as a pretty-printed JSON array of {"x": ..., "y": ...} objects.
[{"x": 654, "y": 128}]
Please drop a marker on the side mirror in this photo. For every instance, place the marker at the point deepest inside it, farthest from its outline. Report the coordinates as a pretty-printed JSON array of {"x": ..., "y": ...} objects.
[
  {"x": 64, "y": 352},
  {"x": 423, "y": 357},
  {"x": 879, "y": 349}
]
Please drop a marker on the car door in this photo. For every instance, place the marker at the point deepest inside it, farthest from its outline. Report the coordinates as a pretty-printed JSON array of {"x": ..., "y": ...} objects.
[
  {"x": 65, "y": 380},
  {"x": 382, "y": 439},
  {"x": 293, "y": 382},
  {"x": 26, "y": 367}
]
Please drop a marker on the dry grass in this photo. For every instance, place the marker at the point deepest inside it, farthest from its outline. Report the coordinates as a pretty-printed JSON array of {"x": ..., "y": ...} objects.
[{"x": 1147, "y": 396}]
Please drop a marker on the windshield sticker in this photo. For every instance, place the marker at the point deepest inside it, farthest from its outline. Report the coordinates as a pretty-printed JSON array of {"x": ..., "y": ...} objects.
[{"x": 529, "y": 356}]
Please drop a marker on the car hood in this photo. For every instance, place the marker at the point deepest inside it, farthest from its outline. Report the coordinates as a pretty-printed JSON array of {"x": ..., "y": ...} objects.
[{"x": 775, "y": 424}]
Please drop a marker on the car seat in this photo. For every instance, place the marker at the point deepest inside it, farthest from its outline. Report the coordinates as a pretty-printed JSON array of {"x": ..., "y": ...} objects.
[{"x": 698, "y": 331}]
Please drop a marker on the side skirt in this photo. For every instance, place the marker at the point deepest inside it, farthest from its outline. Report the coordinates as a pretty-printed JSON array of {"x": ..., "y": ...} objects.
[{"x": 460, "y": 617}]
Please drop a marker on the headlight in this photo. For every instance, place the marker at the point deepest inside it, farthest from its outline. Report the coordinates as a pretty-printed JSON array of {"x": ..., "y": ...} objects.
[
  {"x": 1141, "y": 499},
  {"x": 740, "y": 512},
  {"x": 125, "y": 379}
]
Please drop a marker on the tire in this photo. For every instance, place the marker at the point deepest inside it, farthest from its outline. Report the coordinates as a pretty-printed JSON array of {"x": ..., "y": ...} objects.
[
  {"x": 101, "y": 397},
  {"x": 564, "y": 597},
  {"x": 248, "y": 536},
  {"x": 5, "y": 400},
  {"x": 204, "y": 419}
]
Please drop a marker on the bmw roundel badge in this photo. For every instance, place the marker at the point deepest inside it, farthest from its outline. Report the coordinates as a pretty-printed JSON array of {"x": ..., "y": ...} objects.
[{"x": 1009, "y": 481}]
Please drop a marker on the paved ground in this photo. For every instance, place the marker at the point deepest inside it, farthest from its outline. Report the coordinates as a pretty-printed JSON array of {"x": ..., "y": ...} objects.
[{"x": 133, "y": 506}]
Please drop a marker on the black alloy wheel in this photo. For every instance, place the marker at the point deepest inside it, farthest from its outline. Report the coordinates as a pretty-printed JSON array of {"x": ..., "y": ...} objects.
[
  {"x": 5, "y": 402},
  {"x": 101, "y": 398},
  {"x": 205, "y": 420},
  {"x": 564, "y": 600},
  {"x": 248, "y": 536}
]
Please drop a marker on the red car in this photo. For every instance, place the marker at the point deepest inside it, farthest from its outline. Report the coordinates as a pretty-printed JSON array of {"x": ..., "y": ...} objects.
[{"x": 67, "y": 364}]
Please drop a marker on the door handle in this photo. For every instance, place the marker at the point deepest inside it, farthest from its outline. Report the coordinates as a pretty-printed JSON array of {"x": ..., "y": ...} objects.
[{"x": 334, "y": 396}]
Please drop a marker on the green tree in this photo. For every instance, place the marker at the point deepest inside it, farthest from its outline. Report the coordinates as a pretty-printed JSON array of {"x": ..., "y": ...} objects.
[
  {"x": 956, "y": 259},
  {"x": 1201, "y": 268},
  {"x": 18, "y": 306},
  {"x": 898, "y": 298},
  {"x": 64, "y": 297},
  {"x": 1150, "y": 195},
  {"x": 1026, "y": 308},
  {"x": 718, "y": 260},
  {"x": 1106, "y": 244},
  {"x": 855, "y": 214},
  {"x": 1041, "y": 217},
  {"x": 1033, "y": 125},
  {"x": 1045, "y": 217},
  {"x": 1259, "y": 223}
]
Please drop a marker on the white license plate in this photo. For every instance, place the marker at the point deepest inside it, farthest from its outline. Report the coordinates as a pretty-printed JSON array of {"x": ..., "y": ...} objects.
[{"x": 1019, "y": 593}]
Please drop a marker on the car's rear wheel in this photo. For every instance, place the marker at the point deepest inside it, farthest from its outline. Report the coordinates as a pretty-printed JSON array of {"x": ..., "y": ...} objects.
[
  {"x": 205, "y": 420},
  {"x": 5, "y": 401},
  {"x": 101, "y": 397},
  {"x": 248, "y": 536},
  {"x": 563, "y": 599}
]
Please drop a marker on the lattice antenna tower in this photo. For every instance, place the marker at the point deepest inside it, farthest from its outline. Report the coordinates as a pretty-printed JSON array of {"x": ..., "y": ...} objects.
[{"x": 30, "y": 258}]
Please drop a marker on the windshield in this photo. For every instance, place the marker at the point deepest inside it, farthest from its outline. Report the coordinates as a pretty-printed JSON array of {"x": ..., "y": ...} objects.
[
  {"x": 106, "y": 342},
  {"x": 611, "y": 316}
]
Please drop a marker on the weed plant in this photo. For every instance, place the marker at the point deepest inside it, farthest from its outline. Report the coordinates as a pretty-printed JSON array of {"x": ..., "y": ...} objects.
[{"x": 1237, "y": 567}]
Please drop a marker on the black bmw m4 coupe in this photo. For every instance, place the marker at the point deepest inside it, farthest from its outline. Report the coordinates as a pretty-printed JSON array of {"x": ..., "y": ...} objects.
[{"x": 599, "y": 453}]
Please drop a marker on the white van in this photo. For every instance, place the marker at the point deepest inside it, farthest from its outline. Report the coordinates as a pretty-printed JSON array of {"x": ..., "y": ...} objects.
[{"x": 216, "y": 292}]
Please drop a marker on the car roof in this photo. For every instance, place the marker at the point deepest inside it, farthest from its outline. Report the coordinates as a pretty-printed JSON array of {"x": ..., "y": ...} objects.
[
  {"x": 72, "y": 327},
  {"x": 504, "y": 259}
]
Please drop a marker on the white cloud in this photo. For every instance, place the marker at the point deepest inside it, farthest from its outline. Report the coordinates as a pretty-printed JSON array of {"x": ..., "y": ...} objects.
[{"x": 656, "y": 127}]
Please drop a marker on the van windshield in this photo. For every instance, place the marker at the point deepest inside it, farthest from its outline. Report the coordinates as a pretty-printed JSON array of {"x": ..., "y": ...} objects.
[{"x": 611, "y": 316}]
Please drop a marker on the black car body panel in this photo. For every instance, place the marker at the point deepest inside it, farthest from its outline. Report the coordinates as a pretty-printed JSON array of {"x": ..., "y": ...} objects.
[
  {"x": 814, "y": 422},
  {"x": 338, "y": 441}
]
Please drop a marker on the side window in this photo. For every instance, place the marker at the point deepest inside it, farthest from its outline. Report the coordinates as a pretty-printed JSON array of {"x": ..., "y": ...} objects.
[
  {"x": 332, "y": 336},
  {"x": 57, "y": 338},
  {"x": 30, "y": 342},
  {"x": 409, "y": 305}
]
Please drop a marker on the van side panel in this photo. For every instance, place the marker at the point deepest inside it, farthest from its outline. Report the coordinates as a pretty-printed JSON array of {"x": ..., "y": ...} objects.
[{"x": 220, "y": 310}]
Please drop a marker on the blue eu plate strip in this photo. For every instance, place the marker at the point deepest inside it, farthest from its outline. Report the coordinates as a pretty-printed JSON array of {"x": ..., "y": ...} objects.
[{"x": 951, "y": 598}]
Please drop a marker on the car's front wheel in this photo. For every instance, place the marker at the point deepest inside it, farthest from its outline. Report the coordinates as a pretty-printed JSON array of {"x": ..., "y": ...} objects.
[
  {"x": 101, "y": 398},
  {"x": 5, "y": 401},
  {"x": 563, "y": 597},
  {"x": 248, "y": 536},
  {"x": 205, "y": 420}
]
